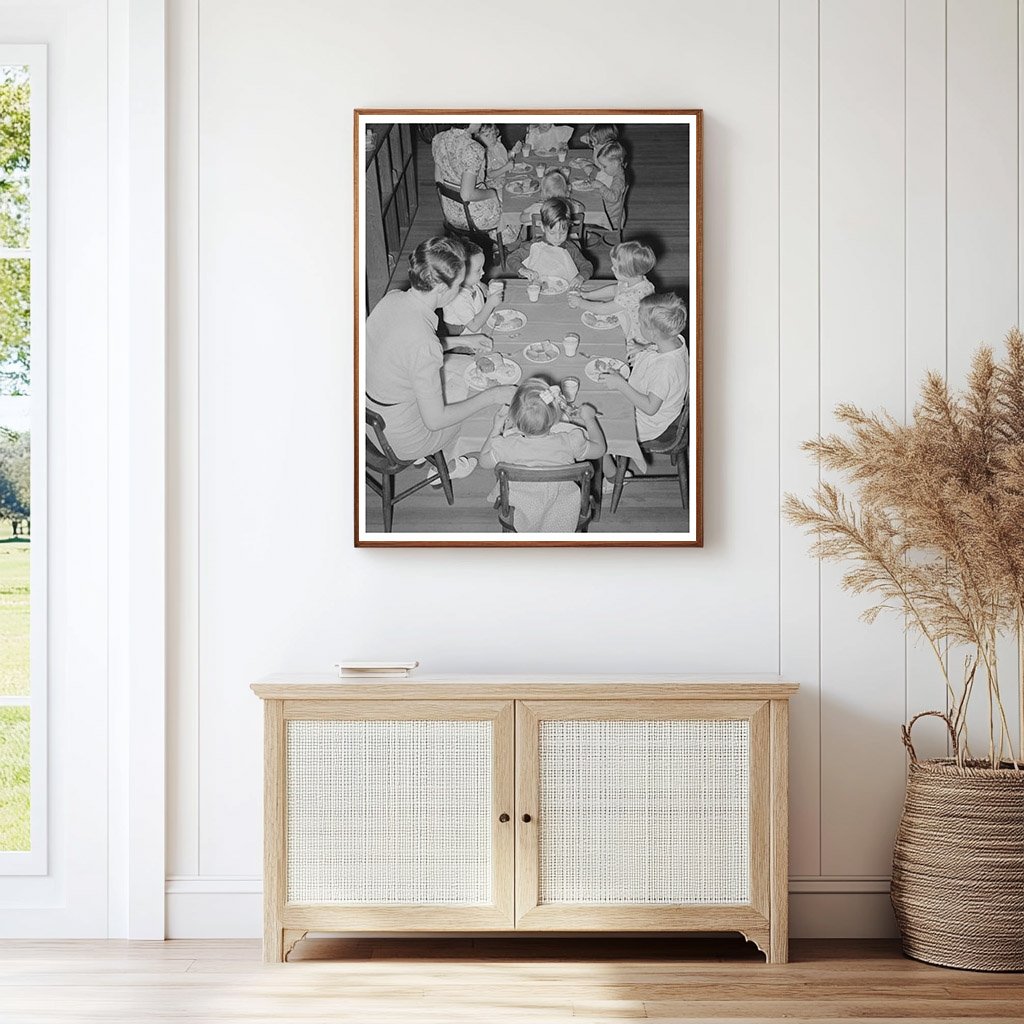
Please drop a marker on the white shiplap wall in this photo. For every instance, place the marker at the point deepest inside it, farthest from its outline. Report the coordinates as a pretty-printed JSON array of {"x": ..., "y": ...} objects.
[{"x": 861, "y": 224}]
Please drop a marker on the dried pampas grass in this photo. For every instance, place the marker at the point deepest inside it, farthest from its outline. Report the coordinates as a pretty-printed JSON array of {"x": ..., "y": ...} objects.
[{"x": 936, "y": 530}]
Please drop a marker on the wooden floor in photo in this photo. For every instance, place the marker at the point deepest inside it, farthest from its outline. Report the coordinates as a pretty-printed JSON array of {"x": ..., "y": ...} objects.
[{"x": 467, "y": 981}]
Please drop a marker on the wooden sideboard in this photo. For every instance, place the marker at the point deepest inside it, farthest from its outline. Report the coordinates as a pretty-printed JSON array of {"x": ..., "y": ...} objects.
[{"x": 490, "y": 804}]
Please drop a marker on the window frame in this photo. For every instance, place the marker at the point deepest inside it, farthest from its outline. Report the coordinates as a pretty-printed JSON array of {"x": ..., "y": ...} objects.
[{"x": 34, "y": 860}]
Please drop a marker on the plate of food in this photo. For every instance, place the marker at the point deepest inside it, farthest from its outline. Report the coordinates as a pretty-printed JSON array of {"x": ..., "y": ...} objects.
[
  {"x": 606, "y": 364},
  {"x": 541, "y": 352},
  {"x": 487, "y": 371},
  {"x": 581, "y": 163},
  {"x": 553, "y": 285},
  {"x": 522, "y": 186},
  {"x": 504, "y": 321},
  {"x": 585, "y": 185},
  {"x": 600, "y": 321},
  {"x": 520, "y": 165}
]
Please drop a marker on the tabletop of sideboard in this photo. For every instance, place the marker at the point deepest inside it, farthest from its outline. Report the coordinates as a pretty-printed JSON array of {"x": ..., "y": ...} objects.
[{"x": 470, "y": 686}]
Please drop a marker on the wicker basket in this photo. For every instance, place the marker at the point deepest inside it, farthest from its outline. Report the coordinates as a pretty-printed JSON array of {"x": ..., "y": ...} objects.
[{"x": 958, "y": 865}]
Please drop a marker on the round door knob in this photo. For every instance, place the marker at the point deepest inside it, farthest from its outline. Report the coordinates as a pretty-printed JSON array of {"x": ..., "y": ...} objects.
[
  {"x": 527, "y": 818},
  {"x": 503, "y": 818}
]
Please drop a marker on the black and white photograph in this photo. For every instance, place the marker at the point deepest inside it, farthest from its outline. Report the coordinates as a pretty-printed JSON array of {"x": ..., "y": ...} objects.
[{"x": 527, "y": 337}]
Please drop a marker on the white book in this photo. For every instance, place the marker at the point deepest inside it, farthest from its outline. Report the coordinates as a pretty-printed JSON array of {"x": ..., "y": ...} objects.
[{"x": 364, "y": 669}]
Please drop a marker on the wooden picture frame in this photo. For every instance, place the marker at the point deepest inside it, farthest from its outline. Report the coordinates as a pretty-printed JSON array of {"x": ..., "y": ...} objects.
[{"x": 395, "y": 203}]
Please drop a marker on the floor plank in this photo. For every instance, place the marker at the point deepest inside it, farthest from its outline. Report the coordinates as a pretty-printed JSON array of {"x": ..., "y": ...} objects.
[{"x": 467, "y": 979}]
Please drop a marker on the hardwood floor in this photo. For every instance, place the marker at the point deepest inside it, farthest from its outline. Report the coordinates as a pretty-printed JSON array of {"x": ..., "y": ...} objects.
[{"x": 519, "y": 978}]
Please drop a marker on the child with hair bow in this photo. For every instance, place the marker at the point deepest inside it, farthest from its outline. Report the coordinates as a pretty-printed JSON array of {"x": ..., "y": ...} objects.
[{"x": 533, "y": 431}]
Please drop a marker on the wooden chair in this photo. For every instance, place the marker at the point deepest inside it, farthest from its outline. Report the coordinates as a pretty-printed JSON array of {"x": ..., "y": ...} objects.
[
  {"x": 471, "y": 231},
  {"x": 677, "y": 447},
  {"x": 382, "y": 460},
  {"x": 581, "y": 473},
  {"x": 577, "y": 229}
]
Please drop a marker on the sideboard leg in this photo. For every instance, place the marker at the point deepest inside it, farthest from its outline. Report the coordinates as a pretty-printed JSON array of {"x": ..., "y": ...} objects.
[
  {"x": 273, "y": 944},
  {"x": 779, "y": 883}
]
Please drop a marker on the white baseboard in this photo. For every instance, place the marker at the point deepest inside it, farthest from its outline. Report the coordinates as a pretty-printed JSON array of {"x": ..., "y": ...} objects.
[{"x": 231, "y": 907}]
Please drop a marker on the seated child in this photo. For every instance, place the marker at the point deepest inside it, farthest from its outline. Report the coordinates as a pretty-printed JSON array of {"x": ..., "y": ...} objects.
[
  {"x": 631, "y": 261},
  {"x": 547, "y": 138},
  {"x": 555, "y": 256},
  {"x": 497, "y": 161},
  {"x": 611, "y": 177},
  {"x": 660, "y": 380},
  {"x": 534, "y": 434},
  {"x": 468, "y": 311},
  {"x": 597, "y": 135},
  {"x": 554, "y": 185}
]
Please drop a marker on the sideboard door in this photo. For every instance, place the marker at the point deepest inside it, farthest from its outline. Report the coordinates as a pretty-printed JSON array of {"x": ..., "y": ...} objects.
[
  {"x": 645, "y": 815},
  {"x": 396, "y": 814}
]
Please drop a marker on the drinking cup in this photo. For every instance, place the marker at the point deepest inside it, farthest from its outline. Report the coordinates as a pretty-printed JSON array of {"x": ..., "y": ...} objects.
[
  {"x": 574, "y": 300},
  {"x": 571, "y": 343},
  {"x": 571, "y": 388},
  {"x": 561, "y": 156},
  {"x": 526, "y": 149},
  {"x": 496, "y": 287},
  {"x": 533, "y": 291}
]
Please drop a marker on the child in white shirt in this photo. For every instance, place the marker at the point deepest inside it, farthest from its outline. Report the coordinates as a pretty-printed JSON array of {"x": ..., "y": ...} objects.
[
  {"x": 468, "y": 311},
  {"x": 631, "y": 262},
  {"x": 547, "y": 138},
  {"x": 660, "y": 380}
]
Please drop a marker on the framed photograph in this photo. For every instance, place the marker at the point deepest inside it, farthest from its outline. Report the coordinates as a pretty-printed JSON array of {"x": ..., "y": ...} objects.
[{"x": 528, "y": 343}]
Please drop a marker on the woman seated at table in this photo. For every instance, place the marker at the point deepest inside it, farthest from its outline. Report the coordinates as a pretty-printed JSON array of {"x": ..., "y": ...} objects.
[
  {"x": 404, "y": 360},
  {"x": 461, "y": 162}
]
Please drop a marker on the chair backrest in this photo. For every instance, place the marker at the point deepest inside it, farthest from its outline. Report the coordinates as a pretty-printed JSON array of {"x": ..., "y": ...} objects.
[
  {"x": 680, "y": 438},
  {"x": 380, "y": 456},
  {"x": 581, "y": 473},
  {"x": 576, "y": 227},
  {"x": 454, "y": 195}
]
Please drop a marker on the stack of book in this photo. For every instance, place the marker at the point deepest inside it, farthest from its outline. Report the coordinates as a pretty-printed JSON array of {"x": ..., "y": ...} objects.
[{"x": 376, "y": 669}]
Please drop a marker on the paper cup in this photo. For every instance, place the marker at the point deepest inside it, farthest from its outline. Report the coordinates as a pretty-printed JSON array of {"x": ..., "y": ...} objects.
[
  {"x": 526, "y": 150},
  {"x": 570, "y": 343},
  {"x": 541, "y": 170},
  {"x": 571, "y": 388},
  {"x": 495, "y": 287},
  {"x": 533, "y": 292},
  {"x": 561, "y": 156}
]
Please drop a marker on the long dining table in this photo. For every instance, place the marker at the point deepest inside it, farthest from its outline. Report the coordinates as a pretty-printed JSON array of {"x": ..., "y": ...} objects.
[
  {"x": 513, "y": 206},
  {"x": 550, "y": 318}
]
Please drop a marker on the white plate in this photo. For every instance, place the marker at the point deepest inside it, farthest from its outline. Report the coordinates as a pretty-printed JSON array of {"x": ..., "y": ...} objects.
[
  {"x": 522, "y": 186},
  {"x": 580, "y": 163},
  {"x": 505, "y": 321},
  {"x": 599, "y": 321},
  {"x": 553, "y": 285},
  {"x": 509, "y": 373},
  {"x": 585, "y": 185},
  {"x": 541, "y": 352},
  {"x": 611, "y": 364}
]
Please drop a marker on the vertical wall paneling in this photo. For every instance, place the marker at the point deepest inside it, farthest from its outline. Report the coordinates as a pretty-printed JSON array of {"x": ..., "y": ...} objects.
[
  {"x": 799, "y": 583},
  {"x": 862, "y": 361},
  {"x": 183, "y": 437},
  {"x": 865, "y": 219},
  {"x": 925, "y": 283},
  {"x": 982, "y": 227}
]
